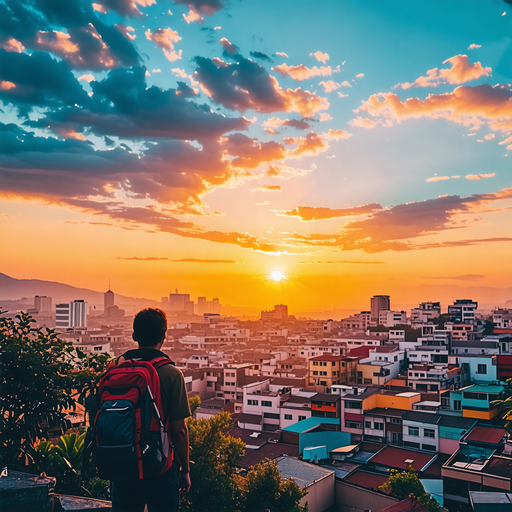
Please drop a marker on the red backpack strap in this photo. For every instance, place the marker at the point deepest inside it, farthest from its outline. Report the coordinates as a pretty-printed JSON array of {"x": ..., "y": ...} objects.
[{"x": 158, "y": 362}]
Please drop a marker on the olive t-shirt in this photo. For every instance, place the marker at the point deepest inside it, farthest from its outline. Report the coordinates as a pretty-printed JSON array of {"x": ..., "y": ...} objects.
[{"x": 172, "y": 384}]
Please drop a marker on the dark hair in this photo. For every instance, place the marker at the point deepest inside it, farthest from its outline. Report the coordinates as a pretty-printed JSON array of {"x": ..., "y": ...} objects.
[{"x": 149, "y": 327}]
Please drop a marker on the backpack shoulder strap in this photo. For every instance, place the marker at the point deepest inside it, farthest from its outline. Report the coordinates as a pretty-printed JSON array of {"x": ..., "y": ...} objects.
[{"x": 158, "y": 362}]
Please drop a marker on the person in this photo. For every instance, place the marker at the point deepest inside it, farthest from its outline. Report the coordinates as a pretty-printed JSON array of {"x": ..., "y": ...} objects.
[{"x": 162, "y": 493}]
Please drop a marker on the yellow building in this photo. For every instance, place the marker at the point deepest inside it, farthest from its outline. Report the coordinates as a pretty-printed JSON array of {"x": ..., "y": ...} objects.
[{"x": 327, "y": 370}]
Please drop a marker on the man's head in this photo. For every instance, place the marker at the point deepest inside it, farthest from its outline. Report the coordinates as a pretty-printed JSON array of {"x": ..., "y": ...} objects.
[{"x": 149, "y": 327}]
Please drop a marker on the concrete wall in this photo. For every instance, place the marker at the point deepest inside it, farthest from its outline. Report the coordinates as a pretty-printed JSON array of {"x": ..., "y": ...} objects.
[
  {"x": 330, "y": 439},
  {"x": 351, "y": 498},
  {"x": 321, "y": 495}
]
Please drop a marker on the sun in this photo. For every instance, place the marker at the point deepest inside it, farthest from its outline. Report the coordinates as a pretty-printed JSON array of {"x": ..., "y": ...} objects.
[{"x": 276, "y": 275}]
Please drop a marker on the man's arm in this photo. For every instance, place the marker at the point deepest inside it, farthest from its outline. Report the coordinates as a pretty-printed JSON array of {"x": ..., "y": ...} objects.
[{"x": 179, "y": 435}]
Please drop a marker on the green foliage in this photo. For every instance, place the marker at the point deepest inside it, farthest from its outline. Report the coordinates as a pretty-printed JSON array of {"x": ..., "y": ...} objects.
[
  {"x": 42, "y": 376},
  {"x": 64, "y": 462},
  {"x": 194, "y": 403},
  {"x": 405, "y": 484},
  {"x": 441, "y": 320},
  {"x": 488, "y": 327},
  {"x": 216, "y": 483},
  {"x": 266, "y": 490}
]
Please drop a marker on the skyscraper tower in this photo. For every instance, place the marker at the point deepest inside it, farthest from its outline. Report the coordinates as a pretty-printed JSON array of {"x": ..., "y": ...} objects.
[
  {"x": 379, "y": 303},
  {"x": 108, "y": 300}
]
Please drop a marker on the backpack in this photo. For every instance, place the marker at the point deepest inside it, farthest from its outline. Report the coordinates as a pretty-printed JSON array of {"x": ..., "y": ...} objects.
[{"x": 131, "y": 440}]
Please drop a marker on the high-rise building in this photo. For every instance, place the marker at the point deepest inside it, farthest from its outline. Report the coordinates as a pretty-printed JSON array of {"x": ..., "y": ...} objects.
[
  {"x": 43, "y": 304},
  {"x": 379, "y": 303},
  {"x": 463, "y": 311},
  {"x": 108, "y": 300},
  {"x": 71, "y": 315},
  {"x": 181, "y": 302}
]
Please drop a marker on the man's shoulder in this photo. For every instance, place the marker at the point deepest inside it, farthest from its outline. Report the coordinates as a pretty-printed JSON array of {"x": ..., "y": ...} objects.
[{"x": 169, "y": 372}]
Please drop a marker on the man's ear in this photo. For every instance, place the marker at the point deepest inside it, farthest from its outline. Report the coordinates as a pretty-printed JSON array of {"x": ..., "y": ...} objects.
[{"x": 133, "y": 337}]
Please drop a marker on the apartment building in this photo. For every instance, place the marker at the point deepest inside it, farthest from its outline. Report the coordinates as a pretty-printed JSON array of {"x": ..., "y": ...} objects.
[
  {"x": 392, "y": 318},
  {"x": 383, "y": 425},
  {"x": 263, "y": 404},
  {"x": 382, "y": 364},
  {"x": 327, "y": 370},
  {"x": 425, "y": 312},
  {"x": 474, "y": 401},
  {"x": 421, "y": 430},
  {"x": 293, "y": 409},
  {"x": 429, "y": 377},
  {"x": 463, "y": 311}
]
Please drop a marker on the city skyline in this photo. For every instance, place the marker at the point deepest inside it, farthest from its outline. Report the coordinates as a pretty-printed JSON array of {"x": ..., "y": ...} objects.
[{"x": 357, "y": 148}]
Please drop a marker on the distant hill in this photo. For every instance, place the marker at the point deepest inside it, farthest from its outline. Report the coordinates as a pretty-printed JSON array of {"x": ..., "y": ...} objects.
[{"x": 13, "y": 289}]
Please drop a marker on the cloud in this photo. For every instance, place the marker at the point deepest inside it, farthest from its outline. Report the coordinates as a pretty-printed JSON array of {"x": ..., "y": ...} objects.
[
  {"x": 466, "y": 105},
  {"x": 442, "y": 178},
  {"x": 126, "y": 31},
  {"x": 320, "y": 57},
  {"x": 267, "y": 188},
  {"x": 336, "y": 135},
  {"x": 230, "y": 48},
  {"x": 490, "y": 136},
  {"x": 245, "y": 85},
  {"x": 361, "y": 122},
  {"x": 165, "y": 39},
  {"x": 282, "y": 54},
  {"x": 87, "y": 78},
  {"x": 192, "y": 16},
  {"x": 311, "y": 213},
  {"x": 123, "y": 7},
  {"x": 360, "y": 75},
  {"x": 474, "y": 46},
  {"x": 465, "y": 277},
  {"x": 330, "y": 85},
  {"x": 301, "y": 72},
  {"x": 324, "y": 116},
  {"x": 11, "y": 45},
  {"x": 460, "y": 72},
  {"x": 183, "y": 260},
  {"x": 480, "y": 176},
  {"x": 261, "y": 56},
  {"x": 274, "y": 123},
  {"x": 311, "y": 144},
  {"x": 341, "y": 95},
  {"x": 341, "y": 262},
  {"x": 203, "y": 7}
]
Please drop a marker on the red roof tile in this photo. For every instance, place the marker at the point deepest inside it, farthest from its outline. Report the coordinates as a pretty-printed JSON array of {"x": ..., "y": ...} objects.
[
  {"x": 386, "y": 348},
  {"x": 366, "y": 479},
  {"x": 407, "y": 505},
  {"x": 481, "y": 434},
  {"x": 328, "y": 357},
  {"x": 396, "y": 457}
]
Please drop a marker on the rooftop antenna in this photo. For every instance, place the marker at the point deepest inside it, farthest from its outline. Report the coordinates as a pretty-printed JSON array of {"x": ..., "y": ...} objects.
[{"x": 109, "y": 284}]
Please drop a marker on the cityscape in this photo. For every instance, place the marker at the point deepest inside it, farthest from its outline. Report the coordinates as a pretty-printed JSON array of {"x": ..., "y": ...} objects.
[{"x": 309, "y": 203}]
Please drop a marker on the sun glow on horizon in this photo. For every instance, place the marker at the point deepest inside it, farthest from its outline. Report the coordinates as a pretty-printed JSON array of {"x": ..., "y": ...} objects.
[{"x": 277, "y": 276}]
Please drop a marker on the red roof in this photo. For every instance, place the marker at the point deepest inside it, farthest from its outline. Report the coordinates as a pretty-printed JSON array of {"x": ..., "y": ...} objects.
[
  {"x": 396, "y": 457},
  {"x": 366, "y": 479},
  {"x": 481, "y": 434},
  {"x": 361, "y": 352},
  {"x": 407, "y": 505},
  {"x": 386, "y": 348},
  {"x": 328, "y": 357}
]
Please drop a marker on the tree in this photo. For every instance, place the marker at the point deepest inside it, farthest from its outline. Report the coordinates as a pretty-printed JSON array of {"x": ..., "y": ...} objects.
[
  {"x": 41, "y": 376},
  {"x": 266, "y": 490},
  {"x": 218, "y": 485},
  {"x": 441, "y": 320},
  {"x": 405, "y": 484},
  {"x": 194, "y": 403}
]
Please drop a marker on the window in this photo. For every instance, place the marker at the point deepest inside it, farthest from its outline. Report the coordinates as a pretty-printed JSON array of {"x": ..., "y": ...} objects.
[
  {"x": 352, "y": 405},
  {"x": 378, "y": 426},
  {"x": 252, "y": 402},
  {"x": 271, "y": 415},
  {"x": 324, "y": 374},
  {"x": 315, "y": 373},
  {"x": 396, "y": 420},
  {"x": 301, "y": 418},
  {"x": 209, "y": 384},
  {"x": 475, "y": 396},
  {"x": 457, "y": 405},
  {"x": 434, "y": 387},
  {"x": 323, "y": 383},
  {"x": 287, "y": 416},
  {"x": 351, "y": 424},
  {"x": 376, "y": 374},
  {"x": 315, "y": 363},
  {"x": 429, "y": 447},
  {"x": 266, "y": 403},
  {"x": 333, "y": 363},
  {"x": 429, "y": 432},
  {"x": 408, "y": 444},
  {"x": 414, "y": 431},
  {"x": 482, "y": 369},
  {"x": 367, "y": 424}
]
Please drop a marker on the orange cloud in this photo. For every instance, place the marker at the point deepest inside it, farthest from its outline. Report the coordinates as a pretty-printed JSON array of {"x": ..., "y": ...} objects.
[
  {"x": 229, "y": 47},
  {"x": 282, "y": 54},
  {"x": 442, "y": 178},
  {"x": 480, "y": 176},
  {"x": 165, "y": 39},
  {"x": 126, "y": 31},
  {"x": 87, "y": 78},
  {"x": 330, "y": 85},
  {"x": 302, "y": 72},
  {"x": 311, "y": 144},
  {"x": 320, "y": 57},
  {"x": 363, "y": 122},
  {"x": 460, "y": 72},
  {"x": 311, "y": 213},
  {"x": 360, "y": 75},
  {"x": 469, "y": 106},
  {"x": 336, "y": 135},
  {"x": 267, "y": 188},
  {"x": 12, "y": 45},
  {"x": 473, "y": 46},
  {"x": 6, "y": 85},
  {"x": 192, "y": 15},
  {"x": 56, "y": 42}
]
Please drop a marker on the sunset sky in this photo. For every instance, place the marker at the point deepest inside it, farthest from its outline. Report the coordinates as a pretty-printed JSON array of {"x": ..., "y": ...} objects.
[{"x": 359, "y": 147}]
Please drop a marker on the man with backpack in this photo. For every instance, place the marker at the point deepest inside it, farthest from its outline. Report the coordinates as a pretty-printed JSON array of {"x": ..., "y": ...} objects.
[{"x": 141, "y": 422}]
